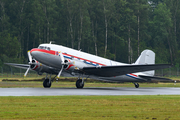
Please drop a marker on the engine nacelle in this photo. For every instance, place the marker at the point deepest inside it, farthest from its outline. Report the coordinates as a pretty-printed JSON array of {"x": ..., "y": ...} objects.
[
  {"x": 69, "y": 65},
  {"x": 41, "y": 68},
  {"x": 35, "y": 65}
]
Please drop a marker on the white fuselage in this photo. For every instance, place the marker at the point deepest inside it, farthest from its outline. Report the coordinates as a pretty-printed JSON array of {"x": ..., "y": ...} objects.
[{"x": 79, "y": 60}]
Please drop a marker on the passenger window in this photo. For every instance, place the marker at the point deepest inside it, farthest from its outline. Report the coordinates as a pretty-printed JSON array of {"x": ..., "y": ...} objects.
[{"x": 48, "y": 48}]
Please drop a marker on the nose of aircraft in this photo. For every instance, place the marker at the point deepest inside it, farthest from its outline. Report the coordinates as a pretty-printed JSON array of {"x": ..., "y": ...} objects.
[
  {"x": 47, "y": 57},
  {"x": 40, "y": 55},
  {"x": 34, "y": 52}
]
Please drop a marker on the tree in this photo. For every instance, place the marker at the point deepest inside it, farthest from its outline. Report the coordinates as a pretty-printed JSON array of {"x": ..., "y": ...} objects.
[
  {"x": 161, "y": 25},
  {"x": 108, "y": 6}
]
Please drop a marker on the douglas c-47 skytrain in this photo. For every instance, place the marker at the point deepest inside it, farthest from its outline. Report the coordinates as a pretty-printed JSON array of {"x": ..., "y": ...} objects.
[{"x": 60, "y": 60}]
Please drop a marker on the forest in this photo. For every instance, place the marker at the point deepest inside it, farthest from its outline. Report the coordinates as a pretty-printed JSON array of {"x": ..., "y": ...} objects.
[{"x": 115, "y": 29}]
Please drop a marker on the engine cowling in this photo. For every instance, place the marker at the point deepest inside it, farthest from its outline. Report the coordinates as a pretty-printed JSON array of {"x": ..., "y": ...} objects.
[
  {"x": 41, "y": 68},
  {"x": 69, "y": 65},
  {"x": 34, "y": 65}
]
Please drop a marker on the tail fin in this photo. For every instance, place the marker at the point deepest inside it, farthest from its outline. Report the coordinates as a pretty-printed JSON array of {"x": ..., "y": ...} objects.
[{"x": 147, "y": 57}]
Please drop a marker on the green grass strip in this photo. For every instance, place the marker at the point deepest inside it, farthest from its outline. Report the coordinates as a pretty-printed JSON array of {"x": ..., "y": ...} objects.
[{"x": 91, "y": 107}]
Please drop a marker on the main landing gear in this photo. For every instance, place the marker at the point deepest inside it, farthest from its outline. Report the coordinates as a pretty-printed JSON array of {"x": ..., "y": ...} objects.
[
  {"x": 47, "y": 82},
  {"x": 80, "y": 83},
  {"x": 136, "y": 85}
]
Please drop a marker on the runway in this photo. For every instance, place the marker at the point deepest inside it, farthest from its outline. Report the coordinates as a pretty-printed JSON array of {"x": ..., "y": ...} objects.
[{"x": 88, "y": 91}]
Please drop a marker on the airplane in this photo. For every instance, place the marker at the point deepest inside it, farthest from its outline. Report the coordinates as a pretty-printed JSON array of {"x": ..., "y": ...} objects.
[{"x": 63, "y": 61}]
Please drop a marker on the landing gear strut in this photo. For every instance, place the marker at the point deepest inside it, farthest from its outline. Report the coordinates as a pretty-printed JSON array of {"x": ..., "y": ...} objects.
[
  {"x": 136, "y": 85},
  {"x": 80, "y": 83}
]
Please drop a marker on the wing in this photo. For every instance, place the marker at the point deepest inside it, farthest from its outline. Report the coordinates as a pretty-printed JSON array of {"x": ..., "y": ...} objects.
[
  {"x": 23, "y": 66},
  {"x": 49, "y": 70},
  {"x": 155, "y": 78},
  {"x": 109, "y": 71}
]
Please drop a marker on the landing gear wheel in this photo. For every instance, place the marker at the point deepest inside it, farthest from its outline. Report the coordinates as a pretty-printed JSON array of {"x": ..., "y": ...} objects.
[
  {"x": 136, "y": 85},
  {"x": 47, "y": 83},
  {"x": 79, "y": 83}
]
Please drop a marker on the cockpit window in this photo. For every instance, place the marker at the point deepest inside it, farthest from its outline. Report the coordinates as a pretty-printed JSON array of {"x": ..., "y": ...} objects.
[
  {"x": 44, "y": 47},
  {"x": 41, "y": 47}
]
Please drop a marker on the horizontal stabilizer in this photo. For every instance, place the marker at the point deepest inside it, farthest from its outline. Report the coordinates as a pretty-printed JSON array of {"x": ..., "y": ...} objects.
[
  {"x": 110, "y": 71},
  {"x": 23, "y": 66},
  {"x": 155, "y": 78}
]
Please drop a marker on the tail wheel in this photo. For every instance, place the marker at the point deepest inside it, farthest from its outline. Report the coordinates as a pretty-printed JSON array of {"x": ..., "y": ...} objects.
[
  {"x": 47, "y": 83},
  {"x": 79, "y": 83},
  {"x": 136, "y": 85}
]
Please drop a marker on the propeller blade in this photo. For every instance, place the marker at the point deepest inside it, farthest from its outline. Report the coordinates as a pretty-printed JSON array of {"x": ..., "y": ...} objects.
[
  {"x": 30, "y": 61},
  {"x": 29, "y": 56},
  {"x": 62, "y": 62},
  {"x": 60, "y": 71},
  {"x": 62, "y": 58},
  {"x": 26, "y": 72}
]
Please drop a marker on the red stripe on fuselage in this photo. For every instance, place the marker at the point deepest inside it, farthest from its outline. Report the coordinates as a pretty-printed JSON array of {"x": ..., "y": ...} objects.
[
  {"x": 83, "y": 59},
  {"x": 133, "y": 75},
  {"x": 54, "y": 53},
  {"x": 42, "y": 50}
]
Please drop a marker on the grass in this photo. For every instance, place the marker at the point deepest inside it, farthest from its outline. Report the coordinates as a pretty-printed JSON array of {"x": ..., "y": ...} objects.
[
  {"x": 151, "y": 107},
  {"x": 36, "y": 81},
  {"x": 91, "y": 107},
  {"x": 21, "y": 78}
]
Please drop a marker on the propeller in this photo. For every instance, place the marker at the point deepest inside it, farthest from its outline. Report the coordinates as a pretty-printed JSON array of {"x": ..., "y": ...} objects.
[
  {"x": 30, "y": 61},
  {"x": 29, "y": 56},
  {"x": 26, "y": 72},
  {"x": 62, "y": 59}
]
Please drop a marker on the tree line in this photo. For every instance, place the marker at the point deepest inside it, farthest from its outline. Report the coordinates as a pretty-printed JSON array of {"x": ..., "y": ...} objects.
[{"x": 116, "y": 29}]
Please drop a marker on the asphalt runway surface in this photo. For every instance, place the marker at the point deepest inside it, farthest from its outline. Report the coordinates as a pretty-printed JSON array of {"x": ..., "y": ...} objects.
[{"x": 88, "y": 91}]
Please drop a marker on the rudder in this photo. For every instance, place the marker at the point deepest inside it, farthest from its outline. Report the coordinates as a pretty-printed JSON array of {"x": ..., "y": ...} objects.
[{"x": 146, "y": 57}]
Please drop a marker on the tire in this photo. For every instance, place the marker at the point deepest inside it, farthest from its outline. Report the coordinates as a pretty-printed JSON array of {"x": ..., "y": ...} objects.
[
  {"x": 136, "y": 85},
  {"x": 79, "y": 84},
  {"x": 46, "y": 83}
]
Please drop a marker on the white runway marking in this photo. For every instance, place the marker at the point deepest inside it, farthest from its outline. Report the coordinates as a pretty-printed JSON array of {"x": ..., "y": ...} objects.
[{"x": 87, "y": 91}]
